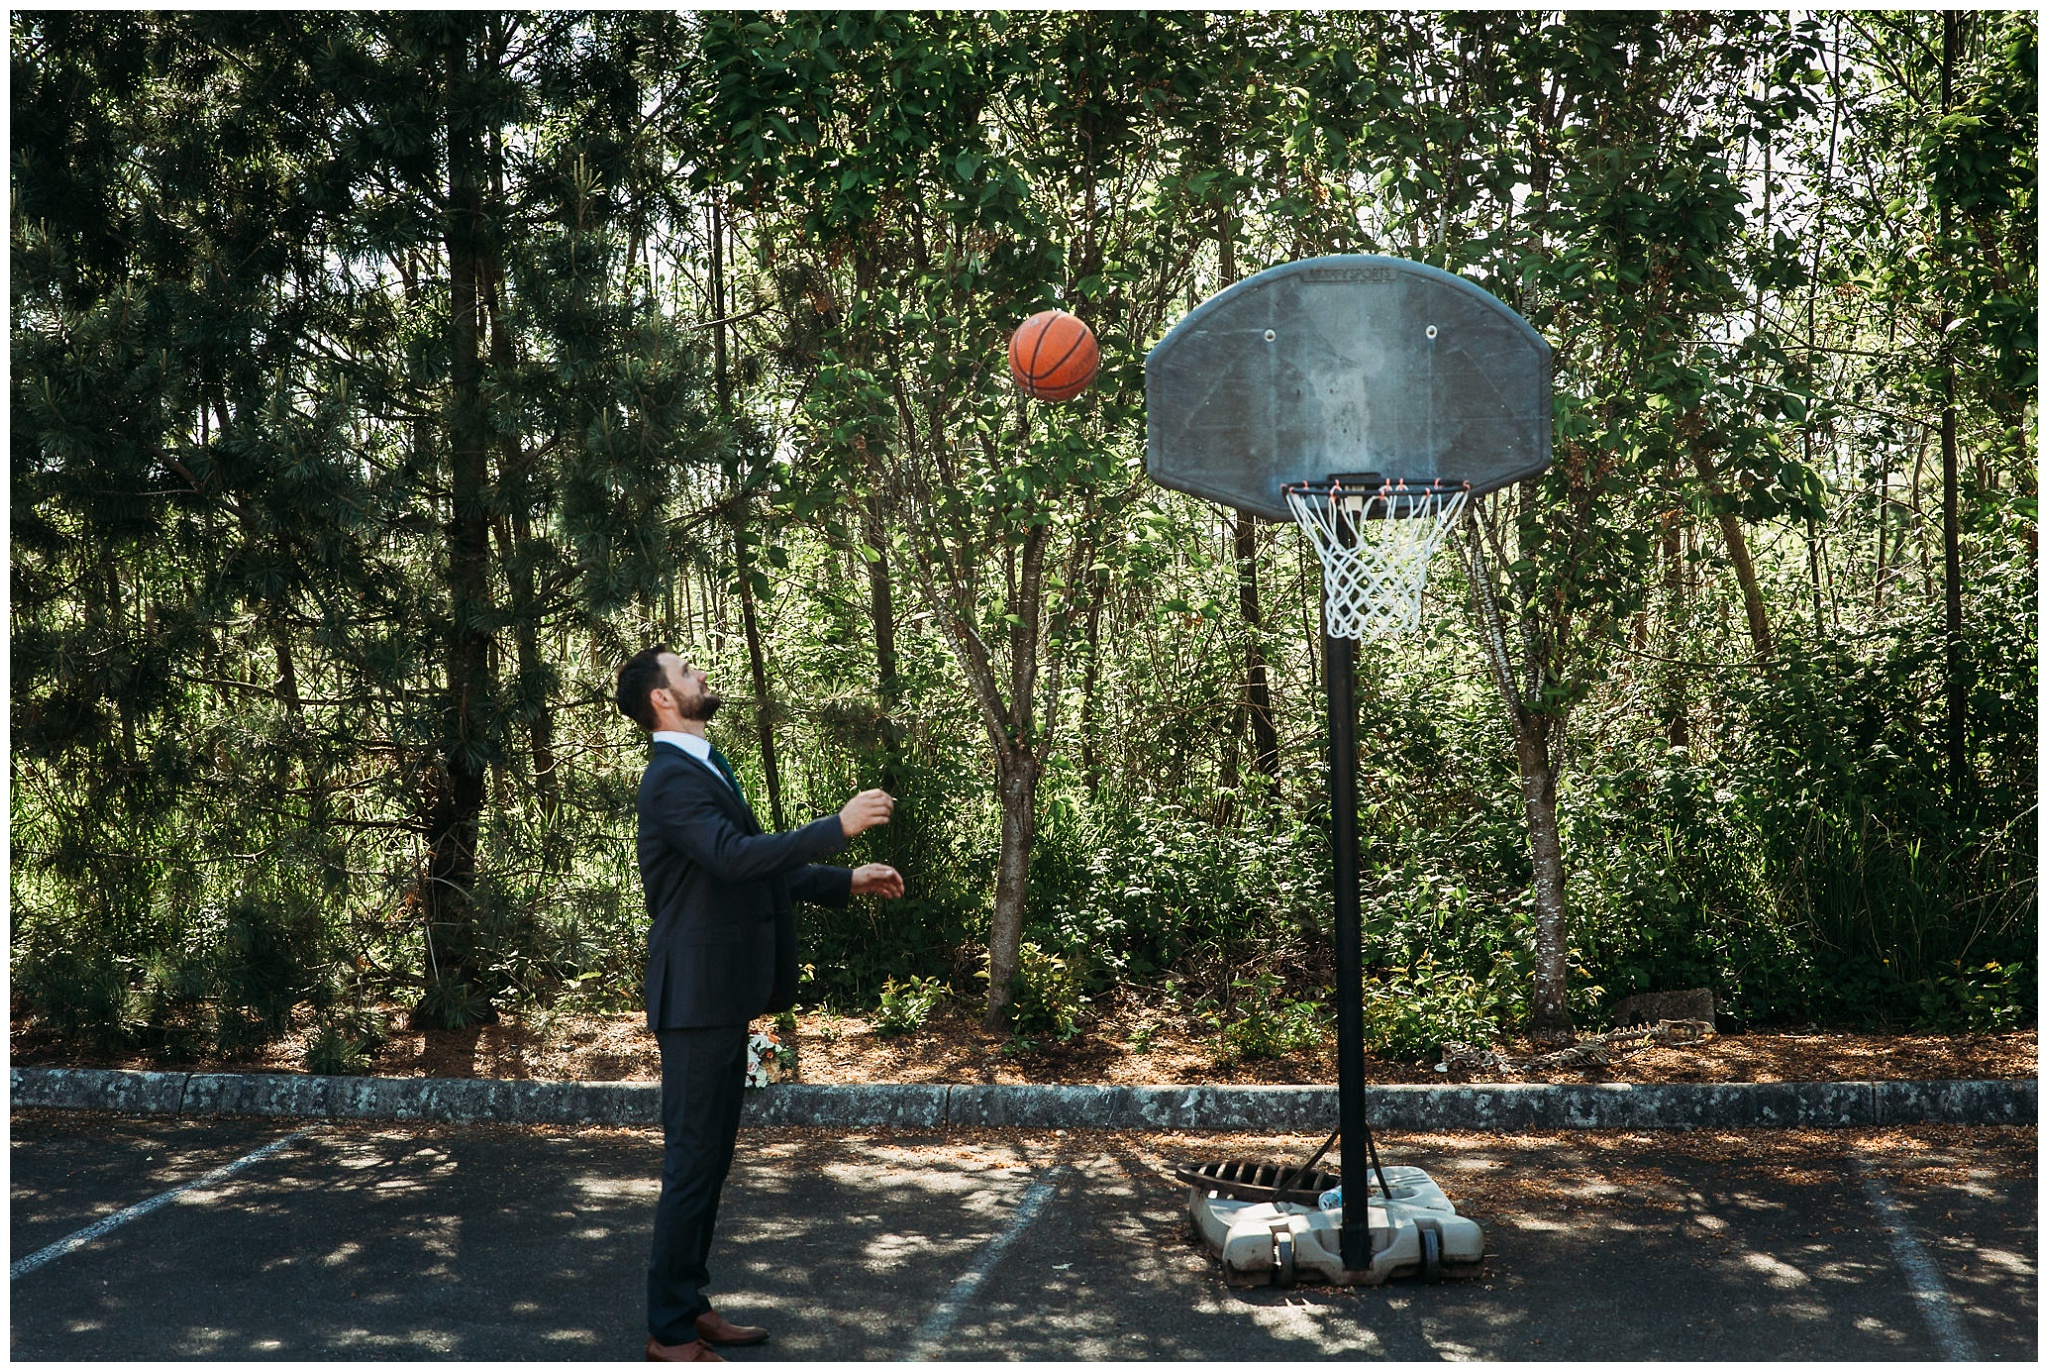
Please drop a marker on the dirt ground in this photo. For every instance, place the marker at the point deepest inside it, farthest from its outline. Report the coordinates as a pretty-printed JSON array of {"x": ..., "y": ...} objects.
[{"x": 836, "y": 1049}]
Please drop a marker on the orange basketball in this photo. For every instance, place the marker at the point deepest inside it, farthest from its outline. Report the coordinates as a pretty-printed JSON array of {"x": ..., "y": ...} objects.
[{"x": 1053, "y": 356}]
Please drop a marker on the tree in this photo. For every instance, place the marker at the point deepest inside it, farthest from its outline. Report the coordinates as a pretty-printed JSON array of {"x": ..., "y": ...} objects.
[
  {"x": 400, "y": 396},
  {"x": 1624, "y": 243},
  {"x": 381, "y": 380},
  {"x": 904, "y": 139}
]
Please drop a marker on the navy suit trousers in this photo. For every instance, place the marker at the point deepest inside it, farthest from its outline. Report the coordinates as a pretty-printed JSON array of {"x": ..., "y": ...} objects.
[{"x": 703, "y": 1076}]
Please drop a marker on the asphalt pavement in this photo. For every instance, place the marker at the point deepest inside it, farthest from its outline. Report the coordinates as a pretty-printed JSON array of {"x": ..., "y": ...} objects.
[{"x": 430, "y": 1240}]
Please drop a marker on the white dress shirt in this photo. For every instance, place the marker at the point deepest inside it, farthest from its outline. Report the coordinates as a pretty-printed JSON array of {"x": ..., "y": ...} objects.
[{"x": 697, "y": 746}]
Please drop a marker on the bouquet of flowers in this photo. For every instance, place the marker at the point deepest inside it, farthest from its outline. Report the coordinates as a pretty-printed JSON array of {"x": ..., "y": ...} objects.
[{"x": 769, "y": 1059}]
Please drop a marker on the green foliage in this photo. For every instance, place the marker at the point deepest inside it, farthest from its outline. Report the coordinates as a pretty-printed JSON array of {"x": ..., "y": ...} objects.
[
  {"x": 333, "y": 1052},
  {"x": 1133, "y": 884},
  {"x": 452, "y": 1003},
  {"x": 1047, "y": 999},
  {"x": 75, "y": 995},
  {"x": 1991, "y": 998},
  {"x": 904, "y": 1009},
  {"x": 218, "y": 980},
  {"x": 1892, "y": 886},
  {"x": 344, "y": 1038},
  {"x": 1674, "y": 891},
  {"x": 1269, "y": 1025},
  {"x": 319, "y": 579},
  {"x": 933, "y": 840},
  {"x": 1413, "y": 1010},
  {"x": 329, "y": 475}
]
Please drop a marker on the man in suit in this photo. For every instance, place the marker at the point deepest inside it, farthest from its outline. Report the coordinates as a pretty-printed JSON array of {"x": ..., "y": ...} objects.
[{"x": 721, "y": 949}]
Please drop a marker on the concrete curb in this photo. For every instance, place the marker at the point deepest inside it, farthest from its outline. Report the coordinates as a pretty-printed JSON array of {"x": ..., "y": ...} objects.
[{"x": 1279, "y": 1109}]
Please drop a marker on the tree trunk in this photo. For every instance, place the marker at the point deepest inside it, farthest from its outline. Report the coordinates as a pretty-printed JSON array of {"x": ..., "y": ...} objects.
[
  {"x": 1815, "y": 549},
  {"x": 881, "y": 599},
  {"x": 1550, "y": 1012},
  {"x": 764, "y": 716},
  {"x": 1091, "y": 705},
  {"x": 1019, "y": 760},
  {"x": 1550, "y": 1016},
  {"x": 1959, "y": 779},
  {"x": 527, "y": 612},
  {"x": 718, "y": 312},
  {"x": 541, "y": 728},
  {"x": 868, "y": 446},
  {"x": 1884, "y": 516},
  {"x": 1738, "y": 554},
  {"x": 1017, "y": 770},
  {"x": 1677, "y": 724},
  {"x": 750, "y": 623},
  {"x": 881, "y": 593},
  {"x": 1258, "y": 698},
  {"x": 456, "y": 805}
]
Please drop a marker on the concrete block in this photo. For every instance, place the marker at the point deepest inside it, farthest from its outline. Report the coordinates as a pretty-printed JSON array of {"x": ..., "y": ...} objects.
[
  {"x": 1835, "y": 1104},
  {"x": 259, "y": 1093},
  {"x": 1954, "y": 1102},
  {"x": 1039, "y": 1107},
  {"x": 608, "y": 1102},
  {"x": 1481, "y": 1107},
  {"x": 910, "y": 1106},
  {"x": 1509, "y": 1105},
  {"x": 90, "y": 1088},
  {"x": 1275, "y": 1109}
]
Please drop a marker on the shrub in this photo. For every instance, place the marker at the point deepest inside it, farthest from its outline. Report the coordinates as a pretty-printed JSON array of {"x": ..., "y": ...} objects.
[
  {"x": 1412, "y": 1011},
  {"x": 940, "y": 839},
  {"x": 1269, "y": 1026},
  {"x": 334, "y": 1053},
  {"x": 1988, "y": 998},
  {"x": 1046, "y": 994},
  {"x": 452, "y": 1003},
  {"x": 74, "y": 993},
  {"x": 1144, "y": 883},
  {"x": 269, "y": 958},
  {"x": 907, "y": 1006},
  {"x": 1894, "y": 883}
]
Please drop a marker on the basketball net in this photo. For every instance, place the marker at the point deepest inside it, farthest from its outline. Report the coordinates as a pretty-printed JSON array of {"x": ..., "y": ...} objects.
[{"x": 1375, "y": 542}]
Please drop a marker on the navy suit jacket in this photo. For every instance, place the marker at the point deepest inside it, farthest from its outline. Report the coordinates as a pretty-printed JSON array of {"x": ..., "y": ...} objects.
[{"x": 721, "y": 943}]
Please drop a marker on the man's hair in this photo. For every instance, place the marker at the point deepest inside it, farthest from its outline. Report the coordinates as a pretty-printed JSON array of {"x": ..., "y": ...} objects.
[{"x": 641, "y": 674}]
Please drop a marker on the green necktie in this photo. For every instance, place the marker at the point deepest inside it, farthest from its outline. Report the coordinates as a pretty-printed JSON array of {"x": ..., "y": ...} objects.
[{"x": 724, "y": 766}]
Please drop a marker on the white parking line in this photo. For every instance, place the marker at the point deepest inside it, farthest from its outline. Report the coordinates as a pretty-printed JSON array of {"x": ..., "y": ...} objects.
[
  {"x": 120, "y": 1217},
  {"x": 924, "y": 1344},
  {"x": 1923, "y": 1278}
]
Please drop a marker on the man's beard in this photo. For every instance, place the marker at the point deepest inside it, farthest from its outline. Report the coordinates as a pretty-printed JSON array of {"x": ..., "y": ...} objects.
[{"x": 700, "y": 708}]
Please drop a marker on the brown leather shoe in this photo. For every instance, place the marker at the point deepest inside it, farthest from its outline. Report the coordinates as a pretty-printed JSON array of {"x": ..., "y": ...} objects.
[
  {"x": 712, "y": 1327},
  {"x": 696, "y": 1350}
]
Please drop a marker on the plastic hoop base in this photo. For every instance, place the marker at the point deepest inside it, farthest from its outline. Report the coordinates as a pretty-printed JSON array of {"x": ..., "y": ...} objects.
[{"x": 1415, "y": 1231}]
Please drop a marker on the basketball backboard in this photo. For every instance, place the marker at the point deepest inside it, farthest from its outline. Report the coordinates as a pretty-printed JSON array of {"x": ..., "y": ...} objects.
[{"x": 1340, "y": 365}]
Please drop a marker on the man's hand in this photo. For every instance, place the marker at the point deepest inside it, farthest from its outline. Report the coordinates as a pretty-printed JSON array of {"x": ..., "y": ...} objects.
[
  {"x": 866, "y": 810},
  {"x": 877, "y": 879}
]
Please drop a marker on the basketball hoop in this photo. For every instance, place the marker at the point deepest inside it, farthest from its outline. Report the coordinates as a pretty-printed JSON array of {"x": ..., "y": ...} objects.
[
  {"x": 1254, "y": 400},
  {"x": 1375, "y": 536}
]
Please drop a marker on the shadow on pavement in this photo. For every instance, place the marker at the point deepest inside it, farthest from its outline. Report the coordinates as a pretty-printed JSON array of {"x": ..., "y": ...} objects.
[{"x": 436, "y": 1241}]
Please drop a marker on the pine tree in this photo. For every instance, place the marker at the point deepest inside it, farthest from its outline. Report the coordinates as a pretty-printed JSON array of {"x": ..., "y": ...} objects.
[{"x": 336, "y": 393}]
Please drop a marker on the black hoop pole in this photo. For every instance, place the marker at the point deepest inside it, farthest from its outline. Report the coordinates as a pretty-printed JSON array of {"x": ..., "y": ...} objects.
[{"x": 1355, "y": 1164}]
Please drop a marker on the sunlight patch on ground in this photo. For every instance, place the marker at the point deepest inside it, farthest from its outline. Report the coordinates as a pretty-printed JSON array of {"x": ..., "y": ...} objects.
[
  {"x": 348, "y": 1250},
  {"x": 2019, "y": 1264},
  {"x": 1302, "y": 1322},
  {"x": 617, "y": 1188},
  {"x": 1782, "y": 1275}
]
